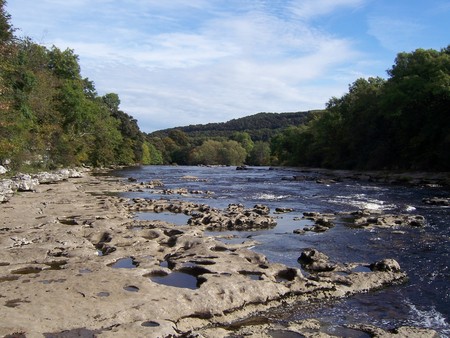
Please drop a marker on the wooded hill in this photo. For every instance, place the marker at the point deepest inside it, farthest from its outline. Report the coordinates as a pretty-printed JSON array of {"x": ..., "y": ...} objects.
[{"x": 260, "y": 127}]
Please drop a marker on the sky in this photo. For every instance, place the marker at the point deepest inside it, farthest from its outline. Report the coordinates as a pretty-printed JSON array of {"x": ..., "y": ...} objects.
[{"x": 181, "y": 62}]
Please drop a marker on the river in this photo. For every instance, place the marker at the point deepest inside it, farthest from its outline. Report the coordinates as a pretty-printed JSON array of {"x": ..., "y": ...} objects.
[{"x": 424, "y": 253}]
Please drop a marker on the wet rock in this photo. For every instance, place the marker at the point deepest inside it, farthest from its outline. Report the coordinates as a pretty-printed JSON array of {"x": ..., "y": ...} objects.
[
  {"x": 322, "y": 221},
  {"x": 261, "y": 209},
  {"x": 299, "y": 231},
  {"x": 234, "y": 217},
  {"x": 100, "y": 241},
  {"x": 390, "y": 220},
  {"x": 438, "y": 201},
  {"x": 316, "y": 261},
  {"x": 326, "y": 181},
  {"x": 386, "y": 265},
  {"x": 283, "y": 210},
  {"x": 189, "y": 178},
  {"x": 403, "y": 331}
]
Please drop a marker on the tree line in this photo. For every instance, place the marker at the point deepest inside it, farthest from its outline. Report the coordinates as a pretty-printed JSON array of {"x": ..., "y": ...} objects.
[
  {"x": 402, "y": 122},
  {"x": 399, "y": 123},
  {"x": 51, "y": 116}
]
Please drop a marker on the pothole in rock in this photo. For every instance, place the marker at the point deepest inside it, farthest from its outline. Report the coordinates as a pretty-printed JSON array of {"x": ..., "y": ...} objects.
[
  {"x": 86, "y": 270},
  {"x": 15, "y": 302},
  {"x": 167, "y": 264},
  {"x": 178, "y": 279},
  {"x": 131, "y": 288},
  {"x": 103, "y": 294},
  {"x": 8, "y": 278},
  {"x": 81, "y": 332},
  {"x": 27, "y": 270},
  {"x": 50, "y": 281},
  {"x": 287, "y": 275},
  {"x": 69, "y": 220},
  {"x": 203, "y": 262},
  {"x": 251, "y": 321},
  {"x": 169, "y": 217},
  {"x": 284, "y": 334},
  {"x": 339, "y": 331},
  {"x": 125, "y": 263},
  {"x": 220, "y": 248},
  {"x": 150, "y": 323},
  {"x": 251, "y": 274},
  {"x": 56, "y": 265},
  {"x": 361, "y": 268}
]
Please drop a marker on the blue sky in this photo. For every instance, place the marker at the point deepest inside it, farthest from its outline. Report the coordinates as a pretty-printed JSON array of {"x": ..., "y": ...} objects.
[{"x": 181, "y": 62}]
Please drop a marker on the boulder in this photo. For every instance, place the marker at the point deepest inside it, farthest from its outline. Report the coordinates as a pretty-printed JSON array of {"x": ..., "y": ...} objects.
[
  {"x": 261, "y": 209},
  {"x": 3, "y": 170},
  {"x": 386, "y": 265},
  {"x": 49, "y": 178},
  {"x": 389, "y": 220},
  {"x": 439, "y": 201},
  {"x": 315, "y": 261},
  {"x": 283, "y": 210},
  {"x": 25, "y": 182},
  {"x": 6, "y": 190}
]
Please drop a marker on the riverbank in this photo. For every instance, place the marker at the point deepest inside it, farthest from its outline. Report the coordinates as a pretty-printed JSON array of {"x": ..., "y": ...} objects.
[{"x": 74, "y": 261}]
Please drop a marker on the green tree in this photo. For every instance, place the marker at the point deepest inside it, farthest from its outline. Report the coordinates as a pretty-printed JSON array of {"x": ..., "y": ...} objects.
[
  {"x": 260, "y": 154},
  {"x": 231, "y": 153},
  {"x": 417, "y": 101},
  {"x": 6, "y": 30},
  {"x": 207, "y": 153},
  {"x": 244, "y": 139}
]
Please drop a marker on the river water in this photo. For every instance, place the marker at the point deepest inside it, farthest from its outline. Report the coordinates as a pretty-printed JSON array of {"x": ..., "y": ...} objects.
[{"x": 424, "y": 253}]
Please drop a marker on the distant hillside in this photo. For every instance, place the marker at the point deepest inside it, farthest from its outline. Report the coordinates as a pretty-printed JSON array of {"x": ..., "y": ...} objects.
[{"x": 260, "y": 126}]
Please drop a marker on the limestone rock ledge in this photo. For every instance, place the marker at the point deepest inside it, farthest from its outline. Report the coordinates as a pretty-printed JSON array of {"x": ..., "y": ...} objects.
[{"x": 73, "y": 260}]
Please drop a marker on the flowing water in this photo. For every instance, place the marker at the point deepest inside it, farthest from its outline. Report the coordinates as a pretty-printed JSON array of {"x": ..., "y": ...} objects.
[{"x": 424, "y": 253}]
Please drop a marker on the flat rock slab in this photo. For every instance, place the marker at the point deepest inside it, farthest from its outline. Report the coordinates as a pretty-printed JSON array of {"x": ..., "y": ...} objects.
[{"x": 73, "y": 261}]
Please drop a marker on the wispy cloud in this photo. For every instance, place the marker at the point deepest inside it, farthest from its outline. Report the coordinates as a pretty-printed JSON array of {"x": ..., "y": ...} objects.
[
  {"x": 395, "y": 34},
  {"x": 308, "y": 9},
  {"x": 182, "y": 62}
]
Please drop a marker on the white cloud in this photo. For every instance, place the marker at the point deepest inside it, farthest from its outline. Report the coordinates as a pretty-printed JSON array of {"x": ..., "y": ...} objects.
[
  {"x": 308, "y": 9},
  {"x": 184, "y": 62}
]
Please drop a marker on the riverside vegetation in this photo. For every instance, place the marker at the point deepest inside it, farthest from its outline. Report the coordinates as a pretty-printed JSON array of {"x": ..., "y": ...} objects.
[{"x": 51, "y": 116}]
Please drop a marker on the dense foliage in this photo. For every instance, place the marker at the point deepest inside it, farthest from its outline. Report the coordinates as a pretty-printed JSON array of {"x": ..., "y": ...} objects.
[
  {"x": 252, "y": 135},
  {"x": 51, "y": 116},
  {"x": 260, "y": 127},
  {"x": 399, "y": 123}
]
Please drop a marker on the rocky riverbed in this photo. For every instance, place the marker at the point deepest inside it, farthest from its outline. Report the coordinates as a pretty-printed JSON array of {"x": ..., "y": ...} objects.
[{"x": 74, "y": 262}]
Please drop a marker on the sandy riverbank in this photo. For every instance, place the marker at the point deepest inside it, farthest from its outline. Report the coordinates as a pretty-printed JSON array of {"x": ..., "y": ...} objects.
[{"x": 59, "y": 244}]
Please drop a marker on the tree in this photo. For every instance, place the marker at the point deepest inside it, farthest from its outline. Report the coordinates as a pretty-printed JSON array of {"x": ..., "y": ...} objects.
[
  {"x": 6, "y": 30},
  {"x": 399, "y": 123},
  {"x": 231, "y": 153},
  {"x": 207, "y": 153},
  {"x": 260, "y": 154},
  {"x": 244, "y": 139}
]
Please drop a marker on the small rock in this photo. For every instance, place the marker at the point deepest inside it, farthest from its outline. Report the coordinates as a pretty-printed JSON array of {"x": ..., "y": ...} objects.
[{"x": 386, "y": 265}]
